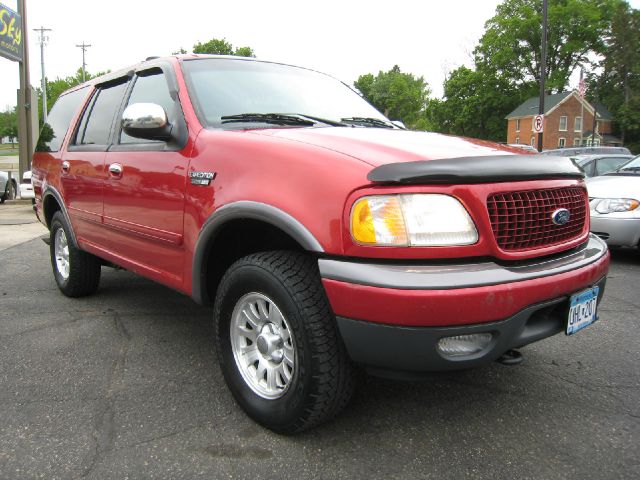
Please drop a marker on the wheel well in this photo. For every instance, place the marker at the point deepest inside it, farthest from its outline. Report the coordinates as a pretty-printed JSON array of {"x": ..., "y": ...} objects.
[
  {"x": 237, "y": 239},
  {"x": 50, "y": 207}
]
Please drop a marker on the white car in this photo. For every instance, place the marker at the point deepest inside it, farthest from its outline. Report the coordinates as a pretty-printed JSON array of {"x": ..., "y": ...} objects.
[
  {"x": 26, "y": 187},
  {"x": 614, "y": 201}
]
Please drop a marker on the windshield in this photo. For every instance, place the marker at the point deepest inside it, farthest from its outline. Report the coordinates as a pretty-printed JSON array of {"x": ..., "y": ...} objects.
[
  {"x": 227, "y": 87},
  {"x": 631, "y": 165}
]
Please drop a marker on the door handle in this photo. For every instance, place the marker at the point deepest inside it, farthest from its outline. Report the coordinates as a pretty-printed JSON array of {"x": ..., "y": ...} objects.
[
  {"x": 115, "y": 170},
  {"x": 66, "y": 166}
]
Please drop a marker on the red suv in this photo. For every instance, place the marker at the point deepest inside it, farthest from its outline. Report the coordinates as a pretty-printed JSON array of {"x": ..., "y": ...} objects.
[{"x": 324, "y": 235}]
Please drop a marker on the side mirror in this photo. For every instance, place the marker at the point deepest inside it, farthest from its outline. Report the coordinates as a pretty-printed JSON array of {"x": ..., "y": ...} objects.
[{"x": 147, "y": 121}]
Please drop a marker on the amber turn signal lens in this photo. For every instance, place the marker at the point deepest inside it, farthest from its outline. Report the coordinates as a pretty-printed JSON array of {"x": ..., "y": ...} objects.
[{"x": 378, "y": 220}]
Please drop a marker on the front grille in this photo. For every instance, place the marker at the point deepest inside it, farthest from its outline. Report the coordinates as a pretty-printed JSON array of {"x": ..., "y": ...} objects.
[{"x": 522, "y": 220}]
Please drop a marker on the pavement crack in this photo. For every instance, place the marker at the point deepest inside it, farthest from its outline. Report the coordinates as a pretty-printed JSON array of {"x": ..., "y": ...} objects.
[
  {"x": 103, "y": 431},
  {"x": 44, "y": 327}
]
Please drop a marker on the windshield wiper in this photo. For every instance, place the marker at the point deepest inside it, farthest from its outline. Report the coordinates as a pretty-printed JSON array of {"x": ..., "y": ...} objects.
[
  {"x": 333, "y": 123},
  {"x": 270, "y": 118},
  {"x": 367, "y": 122},
  {"x": 633, "y": 169},
  {"x": 281, "y": 118}
]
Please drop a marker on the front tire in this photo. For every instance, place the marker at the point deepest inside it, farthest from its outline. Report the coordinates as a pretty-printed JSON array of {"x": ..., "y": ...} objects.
[
  {"x": 77, "y": 273},
  {"x": 278, "y": 343}
]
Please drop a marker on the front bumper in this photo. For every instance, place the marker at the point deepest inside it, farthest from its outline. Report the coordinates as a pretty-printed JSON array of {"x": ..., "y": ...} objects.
[
  {"x": 391, "y": 316},
  {"x": 617, "y": 230}
]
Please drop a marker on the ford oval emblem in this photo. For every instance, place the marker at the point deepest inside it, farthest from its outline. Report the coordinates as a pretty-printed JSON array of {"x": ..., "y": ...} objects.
[{"x": 561, "y": 216}]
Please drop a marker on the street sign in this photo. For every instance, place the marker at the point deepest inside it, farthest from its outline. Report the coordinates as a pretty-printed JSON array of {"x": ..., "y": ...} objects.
[
  {"x": 538, "y": 123},
  {"x": 10, "y": 34}
]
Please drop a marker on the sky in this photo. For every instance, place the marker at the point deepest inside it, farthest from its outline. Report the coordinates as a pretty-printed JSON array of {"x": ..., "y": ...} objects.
[{"x": 344, "y": 38}]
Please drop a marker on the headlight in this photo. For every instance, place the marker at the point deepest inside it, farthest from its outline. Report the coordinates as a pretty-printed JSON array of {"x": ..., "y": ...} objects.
[
  {"x": 611, "y": 205},
  {"x": 412, "y": 220}
]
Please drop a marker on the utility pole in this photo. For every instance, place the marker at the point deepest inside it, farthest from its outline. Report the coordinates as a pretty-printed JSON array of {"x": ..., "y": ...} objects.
[
  {"x": 543, "y": 67},
  {"x": 25, "y": 101},
  {"x": 43, "y": 41},
  {"x": 84, "y": 47}
]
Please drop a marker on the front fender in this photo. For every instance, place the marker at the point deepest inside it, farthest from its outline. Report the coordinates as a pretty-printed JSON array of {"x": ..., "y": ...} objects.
[{"x": 236, "y": 211}]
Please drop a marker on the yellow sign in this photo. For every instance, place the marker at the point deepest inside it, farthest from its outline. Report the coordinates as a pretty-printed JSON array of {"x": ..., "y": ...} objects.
[{"x": 10, "y": 34}]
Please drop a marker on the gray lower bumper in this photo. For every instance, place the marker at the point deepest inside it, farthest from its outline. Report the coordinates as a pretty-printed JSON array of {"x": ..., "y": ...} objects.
[{"x": 400, "y": 351}]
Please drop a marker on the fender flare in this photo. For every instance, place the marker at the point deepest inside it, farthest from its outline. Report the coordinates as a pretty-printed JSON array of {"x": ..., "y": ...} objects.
[
  {"x": 243, "y": 210},
  {"x": 52, "y": 192}
]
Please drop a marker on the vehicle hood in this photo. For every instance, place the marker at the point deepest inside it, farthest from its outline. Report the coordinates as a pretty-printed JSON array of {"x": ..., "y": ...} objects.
[
  {"x": 378, "y": 146},
  {"x": 614, "y": 186}
]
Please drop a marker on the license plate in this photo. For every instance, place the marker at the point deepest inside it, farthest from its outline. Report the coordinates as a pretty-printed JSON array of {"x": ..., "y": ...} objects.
[{"x": 582, "y": 310}]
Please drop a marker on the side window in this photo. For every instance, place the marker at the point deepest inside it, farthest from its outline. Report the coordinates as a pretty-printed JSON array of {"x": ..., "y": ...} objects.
[
  {"x": 150, "y": 87},
  {"x": 609, "y": 164},
  {"x": 59, "y": 120},
  {"x": 95, "y": 125}
]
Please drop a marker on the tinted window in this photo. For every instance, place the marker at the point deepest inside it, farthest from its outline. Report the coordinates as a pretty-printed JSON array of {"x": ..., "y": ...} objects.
[
  {"x": 96, "y": 128},
  {"x": 58, "y": 121},
  {"x": 609, "y": 164},
  {"x": 150, "y": 87}
]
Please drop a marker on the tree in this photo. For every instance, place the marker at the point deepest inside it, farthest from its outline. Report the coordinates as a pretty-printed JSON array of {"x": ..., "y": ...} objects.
[
  {"x": 474, "y": 105},
  {"x": 217, "y": 46},
  {"x": 511, "y": 44},
  {"x": 400, "y": 96},
  {"x": 9, "y": 124},
  {"x": 617, "y": 84}
]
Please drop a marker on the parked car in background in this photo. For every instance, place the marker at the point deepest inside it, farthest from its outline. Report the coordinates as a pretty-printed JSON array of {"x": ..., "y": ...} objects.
[
  {"x": 614, "y": 201},
  {"x": 521, "y": 146},
  {"x": 596, "y": 165},
  {"x": 26, "y": 187},
  {"x": 8, "y": 188},
  {"x": 572, "y": 151}
]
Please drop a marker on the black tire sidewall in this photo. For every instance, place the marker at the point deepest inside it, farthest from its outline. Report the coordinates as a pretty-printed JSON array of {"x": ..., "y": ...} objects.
[{"x": 279, "y": 413}]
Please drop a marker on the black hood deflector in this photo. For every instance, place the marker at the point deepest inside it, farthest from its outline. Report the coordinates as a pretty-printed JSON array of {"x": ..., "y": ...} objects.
[{"x": 489, "y": 169}]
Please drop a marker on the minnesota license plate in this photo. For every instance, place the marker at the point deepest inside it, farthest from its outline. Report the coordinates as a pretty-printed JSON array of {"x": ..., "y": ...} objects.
[{"x": 582, "y": 310}]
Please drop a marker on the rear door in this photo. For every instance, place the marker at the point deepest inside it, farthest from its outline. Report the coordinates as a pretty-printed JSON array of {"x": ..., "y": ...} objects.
[
  {"x": 83, "y": 173},
  {"x": 145, "y": 186}
]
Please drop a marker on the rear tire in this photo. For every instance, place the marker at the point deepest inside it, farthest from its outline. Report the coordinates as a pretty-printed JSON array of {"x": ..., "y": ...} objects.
[
  {"x": 77, "y": 273},
  {"x": 278, "y": 343}
]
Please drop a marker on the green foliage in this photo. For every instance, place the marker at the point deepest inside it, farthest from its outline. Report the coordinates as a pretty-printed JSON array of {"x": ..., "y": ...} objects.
[
  {"x": 618, "y": 85},
  {"x": 9, "y": 123},
  {"x": 219, "y": 46},
  {"x": 511, "y": 44},
  {"x": 474, "y": 105},
  {"x": 400, "y": 96}
]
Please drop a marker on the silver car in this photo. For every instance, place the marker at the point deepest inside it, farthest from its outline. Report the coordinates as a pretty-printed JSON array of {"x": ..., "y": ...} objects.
[
  {"x": 8, "y": 188},
  {"x": 614, "y": 201}
]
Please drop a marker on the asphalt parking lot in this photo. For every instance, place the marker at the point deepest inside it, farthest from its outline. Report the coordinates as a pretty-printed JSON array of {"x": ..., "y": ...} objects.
[{"x": 125, "y": 384}]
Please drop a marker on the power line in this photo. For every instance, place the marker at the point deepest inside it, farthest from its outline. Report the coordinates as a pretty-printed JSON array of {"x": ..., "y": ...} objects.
[
  {"x": 44, "y": 39},
  {"x": 84, "y": 47}
]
